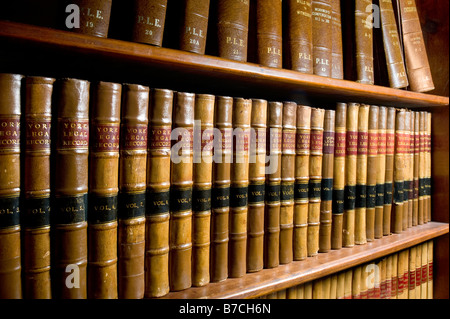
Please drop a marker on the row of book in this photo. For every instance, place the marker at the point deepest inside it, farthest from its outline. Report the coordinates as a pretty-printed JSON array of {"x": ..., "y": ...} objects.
[
  {"x": 407, "y": 274},
  {"x": 118, "y": 190}
]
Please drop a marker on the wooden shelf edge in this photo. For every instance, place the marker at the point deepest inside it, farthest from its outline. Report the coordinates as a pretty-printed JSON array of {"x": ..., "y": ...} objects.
[
  {"x": 284, "y": 276},
  {"x": 215, "y": 67}
]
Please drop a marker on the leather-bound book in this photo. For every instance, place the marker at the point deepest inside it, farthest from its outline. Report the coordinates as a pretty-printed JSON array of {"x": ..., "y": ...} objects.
[
  {"x": 394, "y": 276},
  {"x": 287, "y": 181},
  {"x": 416, "y": 168},
  {"x": 383, "y": 290},
  {"x": 348, "y": 283},
  {"x": 337, "y": 58},
  {"x": 430, "y": 269},
  {"x": 148, "y": 21},
  {"x": 70, "y": 210},
  {"x": 406, "y": 188},
  {"x": 416, "y": 58},
  {"x": 402, "y": 272},
  {"x": 380, "y": 172},
  {"x": 315, "y": 180},
  {"x": 411, "y": 170},
  {"x": 363, "y": 42},
  {"x": 418, "y": 271},
  {"x": 317, "y": 289},
  {"x": 321, "y": 37},
  {"x": 356, "y": 283},
  {"x": 223, "y": 115},
  {"x": 194, "y": 26},
  {"x": 422, "y": 137},
  {"x": 339, "y": 172},
  {"x": 340, "y": 288},
  {"x": 326, "y": 194},
  {"x": 269, "y": 33},
  {"x": 364, "y": 287},
  {"x": 93, "y": 19},
  {"x": 273, "y": 186},
  {"x": 428, "y": 167},
  {"x": 157, "y": 212},
  {"x": 392, "y": 46},
  {"x": 232, "y": 29},
  {"x": 132, "y": 186},
  {"x": 351, "y": 149},
  {"x": 412, "y": 273},
  {"x": 256, "y": 187},
  {"x": 237, "y": 246},
  {"x": 372, "y": 164},
  {"x": 299, "y": 50},
  {"x": 388, "y": 292},
  {"x": 36, "y": 188},
  {"x": 399, "y": 172},
  {"x": 10, "y": 254},
  {"x": 389, "y": 176},
  {"x": 201, "y": 196},
  {"x": 424, "y": 272}
]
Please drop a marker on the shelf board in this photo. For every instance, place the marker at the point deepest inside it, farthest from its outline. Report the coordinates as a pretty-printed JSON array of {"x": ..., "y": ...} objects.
[
  {"x": 195, "y": 71},
  {"x": 284, "y": 276}
]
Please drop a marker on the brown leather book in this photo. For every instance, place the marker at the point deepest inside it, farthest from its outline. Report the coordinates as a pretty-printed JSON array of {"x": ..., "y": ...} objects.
[
  {"x": 412, "y": 273},
  {"x": 322, "y": 37},
  {"x": 416, "y": 58},
  {"x": 399, "y": 172},
  {"x": 340, "y": 288},
  {"x": 157, "y": 212},
  {"x": 392, "y": 46},
  {"x": 411, "y": 170},
  {"x": 269, "y": 33},
  {"x": 132, "y": 186},
  {"x": 273, "y": 186},
  {"x": 221, "y": 188},
  {"x": 326, "y": 194},
  {"x": 389, "y": 176},
  {"x": 256, "y": 187},
  {"x": 36, "y": 188},
  {"x": 10, "y": 254},
  {"x": 428, "y": 167},
  {"x": 388, "y": 292},
  {"x": 149, "y": 17},
  {"x": 372, "y": 164},
  {"x": 430, "y": 269},
  {"x": 422, "y": 137},
  {"x": 232, "y": 29},
  {"x": 356, "y": 283},
  {"x": 394, "y": 276},
  {"x": 424, "y": 272},
  {"x": 69, "y": 218},
  {"x": 337, "y": 58},
  {"x": 299, "y": 51},
  {"x": 418, "y": 291},
  {"x": 237, "y": 246},
  {"x": 201, "y": 196},
  {"x": 415, "y": 218},
  {"x": 94, "y": 16},
  {"x": 381, "y": 172},
  {"x": 194, "y": 26},
  {"x": 287, "y": 181},
  {"x": 406, "y": 170},
  {"x": 302, "y": 149},
  {"x": 364, "y": 42},
  {"x": 340, "y": 138}
]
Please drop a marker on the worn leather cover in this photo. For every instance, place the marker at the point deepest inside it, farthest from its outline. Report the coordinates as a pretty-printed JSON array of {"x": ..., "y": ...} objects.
[
  {"x": 363, "y": 42},
  {"x": 157, "y": 211},
  {"x": 428, "y": 167},
  {"x": 36, "y": 188},
  {"x": 430, "y": 254},
  {"x": 389, "y": 177},
  {"x": 372, "y": 164},
  {"x": 399, "y": 172},
  {"x": 406, "y": 184},
  {"x": 416, "y": 169},
  {"x": 411, "y": 170},
  {"x": 322, "y": 37},
  {"x": 269, "y": 33},
  {"x": 422, "y": 133},
  {"x": 412, "y": 273},
  {"x": 10, "y": 255},
  {"x": 132, "y": 186},
  {"x": 194, "y": 26},
  {"x": 381, "y": 172},
  {"x": 149, "y": 17},
  {"x": 94, "y": 17},
  {"x": 69, "y": 216},
  {"x": 424, "y": 271},
  {"x": 337, "y": 58}
]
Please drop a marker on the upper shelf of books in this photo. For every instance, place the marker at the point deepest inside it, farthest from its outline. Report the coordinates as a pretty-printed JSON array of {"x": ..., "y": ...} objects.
[{"x": 44, "y": 51}]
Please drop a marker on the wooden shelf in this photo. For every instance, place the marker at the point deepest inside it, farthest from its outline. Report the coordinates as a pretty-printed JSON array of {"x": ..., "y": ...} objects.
[
  {"x": 38, "y": 49},
  {"x": 298, "y": 272}
]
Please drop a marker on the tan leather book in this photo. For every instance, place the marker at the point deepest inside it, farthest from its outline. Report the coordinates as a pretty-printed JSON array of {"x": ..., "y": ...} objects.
[
  {"x": 422, "y": 169},
  {"x": 388, "y": 293},
  {"x": 356, "y": 282},
  {"x": 416, "y": 169},
  {"x": 69, "y": 221},
  {"x": 340, "y": 288},
  {"x": 287, "y": 181},
  {"x": 383, "y": 281},
  {"x": 302, "y": 149},
  {"x": 157, "y": 213},
  {"x": 372, "y": 165},
  {"x": 411, "y": 170},
  {"x": 317, "y": 289},
  {"x": 301, "y": 291},
  {"x": 36, "y": 188},
  {"x": 399, "y": 172},
  {"x": 416, "y": 58},
  {"x": 232, "y": 29},
  {"x": 380, "y": 172},
  {"x": 424, "y": 276},
  {"x": 269, "y": 33},
  {"x": 418, "y": 291},
  {"x": 326, "y": 287},
  {"x": 94, "y": 17},
  {"x": 237, "y": 247},
  {"x": 364, "y": 42},
  {"x": 430, "y": 269},
  {"x": 428, "y": 166},
  {"x": 299, "y": 51},
  {"x": 412, "y": 273},
  {"x": 403, "y": 261},
  {"x": 273, "y": 185},
  {"x": 348, "y": 284},
  {"x": 364, "y": 287},
  {"x": 333, "y": 286},
  {"x": 194, "y": 26},
  {"x": 339, "y": 175},
  {"x": 149, "y": 17},
  {"x": 389, "y": 177},
  {"x": 337, "y": 55},
  {"x": 394, "y": 276},
  {"x": 321, "y": 37},
  {"x": 223, "y": 156},
  {"x": 308, "y": 290},
  {"x": 291, "y": 293},
  {"x": 10, "y": 254},
  {"x": 326, "y": 194},
  {"x": 406, "y": 184},
  {"x": 392, "y": 46},
  {"x": 256, "y": 187},
  {"x": 202, "y": 179},
  {"x": 132, "y": 186}
]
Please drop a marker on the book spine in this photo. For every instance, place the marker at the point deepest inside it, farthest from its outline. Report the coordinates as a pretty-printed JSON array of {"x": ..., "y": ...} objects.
[
  {"x": 321, "y": 37},
  {"x": 10, "y": 254},
  {"x": 411, "y": 170},
  {"x": 372, "y": 163},
  {"x": 69, "y": 218},
  {"x": 302, "y": 149},
  {"x": 424, "y": 272},
  {"x": 388, "y": 293},
  {"x": 94, "y": 17},
  {"x": 36, "y": 188},
  {"x": 337, "y": 55},
  {"x": 194, "y": 26},
  {"x": 415, "y": 218},
  {"x": 430, "y": 269},
  {"x": 406, "y": 184},
  {"x": 287, "y": 181},
  {"x": 232, "y": 28},
  {"x": 416, "y": 58},
  {"x": 201, "y": 196},
  {"x": 340, "y": 289},
  {"x": 381, "y": 172},
  {"x": 256, "y": 187},
  {"x": 273, "y": 186},
  {"x": 383, "y": 272},
  {"x": 149, "y": 17},
  {"x": 269, "y": 33},
  {"x": 389, "y": 177},
  {"x": 364, "y": 42},
  {"x": 412, "y": 273},
  {"x": 157, "y": 213},
  {"x": 428, "y": 166},
  {"x": 418, "y": 271},
  {"x": 394, "y": 276},
  {"x": 326, "y": 195},
  {"x": 399, "y": 172},
  {"x": 356, "y": 283},
  {"x": 221, "y": 188},
  {"x": 393, "y": 51},
  {"x": 132, "y": 186},
  {"x": 421, "y": 218},
  {"x": 339, "y": 172},
  {"x": 364, "y": 288},
  {"x": 348, "y": 284}
]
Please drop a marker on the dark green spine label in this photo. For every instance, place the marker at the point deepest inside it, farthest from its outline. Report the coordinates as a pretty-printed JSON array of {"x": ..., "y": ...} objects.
[
  {"x": 157, "y": 202},
  {"x": 9, "y": 211},
  {"x": 301, "y": 191},
  {"x": 338, "y": 201},
  {"x": 287, "y": 192},
  {"x": 350, "y": 197},
  {"x": 37, "y": 212},
  {"x": 388, "y": 195},
  {"x": 70, "y": 210},
  {"x": 398, "y": 192},
  {"x": 273, "y": 193},
  {"x": 201, "y": 200},
  {"x": 220, "y": 197},
  {"x": 102, "y": 209},
  {"x": 361, "y": 196},
  {"x": 327, "y": 189},
  {"x": 239, "y": 196},
  {"x": 314, "y": 189},
  {"x": 380, "y": 195},
  {"x": 371, "y": 196},
  {"x": 132, "y": 205},
  {"x": 180, "y": 199},
  {"x": 256, "y": 193}
]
